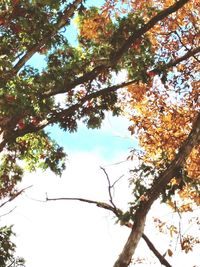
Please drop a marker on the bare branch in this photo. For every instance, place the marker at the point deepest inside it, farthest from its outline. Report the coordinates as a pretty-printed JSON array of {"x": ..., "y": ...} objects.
[
  {"x": 162, "y": 260},
  {"x": 116, "y": 211},
  {"x": 97, "y": 203},
  {"x": 116, "y": 181},
  {"x": 7, "y": 213},
  {"x": 109, "y": 188}
]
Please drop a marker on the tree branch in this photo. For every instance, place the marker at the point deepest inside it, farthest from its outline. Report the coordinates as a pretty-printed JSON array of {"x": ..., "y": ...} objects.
[
  {"x": 117, "y": 211},
  {"x": 14, "y": 196},
  {"x": 63, "y": 20},
  {"x": 151, "y": 246},
  {"x": 152, "y": 22},
  {"x": 92, "y": 74},
  {"x": 89, "y": 76},
  {"x": 185, "y": 46},
  {"x": 57, "y": 116},
  {"x": 7, "y": 213},
  {"x": 190, "y": 53},
  {"x": 71, "y": 110},
  {"x": 109, "y": 188},
  {"x": 97, "y": 203},
  {"x": 154, "y": 192}
]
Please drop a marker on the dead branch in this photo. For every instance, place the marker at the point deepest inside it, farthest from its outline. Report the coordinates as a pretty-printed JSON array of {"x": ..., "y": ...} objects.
[
  {"x": 116, "y": 211},
  {"x": 7, "y": 213},
  {"x": 110, "y": 187},
  {"x": 160, "y": 257},
  {"x": 99, "y": 204}
]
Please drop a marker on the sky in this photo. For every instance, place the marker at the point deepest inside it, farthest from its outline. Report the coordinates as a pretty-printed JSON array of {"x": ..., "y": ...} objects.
[{"x": 76, "y": 234}]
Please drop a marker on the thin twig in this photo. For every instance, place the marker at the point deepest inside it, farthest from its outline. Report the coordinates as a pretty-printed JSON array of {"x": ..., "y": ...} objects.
[
  {"x": 117, "y": 180},
  {"x": 185, "y": 46},
  {"x": 7, "y": 213},
  {"x": 109, "y": 188},
  {"x": 14, "y": 196}
]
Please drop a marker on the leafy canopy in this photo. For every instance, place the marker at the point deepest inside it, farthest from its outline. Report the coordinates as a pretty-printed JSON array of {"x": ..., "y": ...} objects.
[{"x": 155, "y": 42}]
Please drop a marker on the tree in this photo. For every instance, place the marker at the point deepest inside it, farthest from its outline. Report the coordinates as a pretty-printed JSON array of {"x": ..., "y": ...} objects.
[
  {"x": 156, "y": 42},
  {"x": 7, "y": 249}
]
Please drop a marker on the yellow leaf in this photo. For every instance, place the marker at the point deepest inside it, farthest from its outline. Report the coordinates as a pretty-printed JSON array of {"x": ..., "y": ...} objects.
[{"x": 167, "y": 118}]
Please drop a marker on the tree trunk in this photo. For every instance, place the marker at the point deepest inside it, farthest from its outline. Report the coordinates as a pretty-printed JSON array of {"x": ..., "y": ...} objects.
[{"x": 153, "y": 193}]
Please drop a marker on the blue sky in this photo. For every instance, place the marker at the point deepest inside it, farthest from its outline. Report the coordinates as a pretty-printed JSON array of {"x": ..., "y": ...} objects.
[{"x": 111, "y": 139}]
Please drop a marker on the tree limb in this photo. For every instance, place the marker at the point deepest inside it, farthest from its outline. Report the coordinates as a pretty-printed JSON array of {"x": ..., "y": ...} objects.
[
  {"x": 89, "y": 76},
  {"x": 68, "y": 13},
  {"x": 92, "y": 74},
  {"x": 152, "y": 22},
  {"x": 72, "y": 109},
  {"x": 57, "y": 116},
  {"x": 190, "y": 53},
  {"x": 117, "y": 211},
  {"x": 97, "y": 203},
  {"x": 151, "y": 246},
  {"x": 154, "y": 192}
]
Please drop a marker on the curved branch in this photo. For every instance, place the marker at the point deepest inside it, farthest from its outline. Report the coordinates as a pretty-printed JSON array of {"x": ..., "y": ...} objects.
[
  {"x": 109, "y": 188},
  {"x": 97, "y": 203}
]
